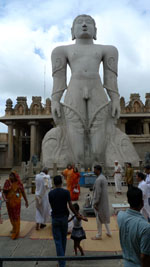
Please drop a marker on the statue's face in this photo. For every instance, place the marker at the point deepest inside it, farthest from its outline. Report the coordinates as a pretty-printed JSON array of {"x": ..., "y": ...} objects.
[{"x": 84, "y": 28}]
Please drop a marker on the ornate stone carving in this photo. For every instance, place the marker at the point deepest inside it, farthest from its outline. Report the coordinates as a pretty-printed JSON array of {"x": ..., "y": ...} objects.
[
  {"x": 21, "y": 108},
  {"x": 147, "y": 102},
  {"x": 9, "y": 110},
  {"x": 48, "y": 106},
  {"x": 135, "y": 105},
  {"x": 36, "y": 106}
]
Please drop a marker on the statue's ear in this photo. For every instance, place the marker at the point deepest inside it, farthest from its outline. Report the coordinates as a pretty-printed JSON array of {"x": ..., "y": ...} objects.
[
  {"x": 72, "y": 33},
  {"x": 95, "y": 34}
]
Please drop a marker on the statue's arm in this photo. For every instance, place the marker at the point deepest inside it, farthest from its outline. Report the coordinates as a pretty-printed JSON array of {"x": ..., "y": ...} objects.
[
  {"x": 59, "y": 66},
  {"x": 110, "y": 66}
]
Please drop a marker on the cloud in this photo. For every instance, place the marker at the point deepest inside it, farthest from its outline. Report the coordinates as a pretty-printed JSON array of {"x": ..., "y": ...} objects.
[{"x": 29, "y": 30}]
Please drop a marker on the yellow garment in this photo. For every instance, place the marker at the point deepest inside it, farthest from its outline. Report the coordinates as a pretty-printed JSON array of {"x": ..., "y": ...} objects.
[{"x": 129, "y": 176}]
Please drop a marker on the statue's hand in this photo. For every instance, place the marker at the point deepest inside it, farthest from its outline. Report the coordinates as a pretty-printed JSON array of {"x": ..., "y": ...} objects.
[
  {"x": 116, "y": 108},
  {"x": 56, "y": 112}
]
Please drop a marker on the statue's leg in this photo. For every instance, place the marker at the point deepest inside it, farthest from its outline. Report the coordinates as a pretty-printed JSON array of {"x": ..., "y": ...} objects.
[
  {"x": 75, "y": 134},
  {"x": 98, "y": 136}
]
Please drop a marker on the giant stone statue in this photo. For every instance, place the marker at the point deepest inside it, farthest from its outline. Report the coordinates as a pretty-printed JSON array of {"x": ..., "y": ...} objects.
[{"x": 85, "y": 129}]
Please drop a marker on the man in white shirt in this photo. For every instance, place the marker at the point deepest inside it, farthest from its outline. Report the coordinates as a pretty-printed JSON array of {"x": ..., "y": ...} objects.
[
  {"x": 118, "y": 177},
  {"x": 147, "y": 171},
  {"x": 43, "y": 186},
  {"x": 143, "y": 186}
]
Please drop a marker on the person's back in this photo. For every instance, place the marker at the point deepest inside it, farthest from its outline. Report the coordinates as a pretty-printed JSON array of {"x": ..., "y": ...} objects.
[
  {"x": 39, "y": 181},
  {"x": 134, "y": 232},
  {"x": 58, "y": 199}
]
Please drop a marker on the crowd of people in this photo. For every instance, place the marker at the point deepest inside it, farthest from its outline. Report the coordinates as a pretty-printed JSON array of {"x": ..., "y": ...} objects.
[{"x": 51, "y": 199}]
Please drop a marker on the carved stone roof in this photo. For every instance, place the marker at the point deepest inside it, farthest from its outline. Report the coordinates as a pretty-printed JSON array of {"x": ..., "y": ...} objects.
[
  {"x": 135, "y": 104},
  {"x": 21, "y": 108}
]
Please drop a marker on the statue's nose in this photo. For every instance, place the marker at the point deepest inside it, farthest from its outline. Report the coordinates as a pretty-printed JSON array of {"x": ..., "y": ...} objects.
[{"x": 84, "y": 24}]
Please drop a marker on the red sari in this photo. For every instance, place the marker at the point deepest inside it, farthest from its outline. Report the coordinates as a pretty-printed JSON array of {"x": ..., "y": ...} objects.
[
  {"x": 13, "y": 192},
  {"x": 75, "y": 187}
]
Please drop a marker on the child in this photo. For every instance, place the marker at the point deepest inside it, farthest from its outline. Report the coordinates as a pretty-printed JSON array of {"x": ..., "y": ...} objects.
[
  {"x": 77, "y": 232},
  {"x": 0, "y": 204}
]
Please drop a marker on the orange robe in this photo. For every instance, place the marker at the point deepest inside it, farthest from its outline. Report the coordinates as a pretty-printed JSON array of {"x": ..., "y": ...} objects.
[
  {"x": 13, "y": 192},
  {"x": 68, "y": 176},
  {"x": 75, "y": 187}
]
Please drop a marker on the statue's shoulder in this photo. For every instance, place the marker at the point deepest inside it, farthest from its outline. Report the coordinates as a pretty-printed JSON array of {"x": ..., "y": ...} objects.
[
  {"x": 107, "y": 49},
  {"x": 110, "y": 49},
  {"x": 61, "y": 50}
]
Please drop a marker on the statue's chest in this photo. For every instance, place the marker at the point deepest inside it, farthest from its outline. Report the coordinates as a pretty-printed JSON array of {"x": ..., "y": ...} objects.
[{"x": 84, "y": 53}]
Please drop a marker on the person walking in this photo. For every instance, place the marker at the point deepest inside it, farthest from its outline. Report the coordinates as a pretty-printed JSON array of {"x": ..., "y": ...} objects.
[
  {"x": 134, "y": 232},
  {"x": 129, "y": 175},
  {"x": 68, "y": 173},
  {"x": 118, "y": 176},
  {"x": 13, "y": 190},
  {"x": 43, "y": 186},
  {"x": 100, "y": 203},
  {"x": 59, "y": 199}
]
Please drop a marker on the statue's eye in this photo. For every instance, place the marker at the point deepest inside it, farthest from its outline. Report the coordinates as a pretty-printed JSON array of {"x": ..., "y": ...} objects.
[
  {"x": 80, "y": 21},
  {"x": 88, "y": 21}
]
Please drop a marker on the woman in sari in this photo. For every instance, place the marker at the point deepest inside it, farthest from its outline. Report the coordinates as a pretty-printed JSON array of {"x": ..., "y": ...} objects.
[
  {"x": 13, "y": 191},
  {"x": 75, "y": 187}
]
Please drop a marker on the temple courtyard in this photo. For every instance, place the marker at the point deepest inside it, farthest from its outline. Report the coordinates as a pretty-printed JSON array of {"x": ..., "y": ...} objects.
[{"x": 40, "y": 243}]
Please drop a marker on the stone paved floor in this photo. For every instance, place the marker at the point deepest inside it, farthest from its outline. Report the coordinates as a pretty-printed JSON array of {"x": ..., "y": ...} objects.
[{"x": 27, "y": 247}]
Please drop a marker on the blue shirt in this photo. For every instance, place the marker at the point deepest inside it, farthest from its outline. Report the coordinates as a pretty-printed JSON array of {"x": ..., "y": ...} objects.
[{"x": 134, "y": 233}]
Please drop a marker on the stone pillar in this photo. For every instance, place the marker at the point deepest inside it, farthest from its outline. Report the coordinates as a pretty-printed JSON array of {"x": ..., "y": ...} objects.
[
  {"x": 20, "y": 145},
  {"x": 33, "y": 143},
  {"x": 17, "y": 145},
  {"x": 38, "y": 143},
  {"x": 146, "y": 126},
  {"x": 10, "y": 145}
]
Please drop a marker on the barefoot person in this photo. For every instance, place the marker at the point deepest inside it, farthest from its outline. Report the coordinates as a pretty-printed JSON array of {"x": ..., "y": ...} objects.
[
  {"x": 100, "y": 203},
  {"x": 78, "y": 233},
  {"x": 118, "y": 177},
  {"x": 68, "y": 173},
  {"x": 13, "y": 190},
  {"x": 43, "y": 186}
]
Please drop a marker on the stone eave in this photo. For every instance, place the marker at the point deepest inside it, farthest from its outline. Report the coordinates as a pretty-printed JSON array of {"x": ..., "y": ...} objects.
[
  {"x": 24, "y": 117},
  {"x": 135, "y": 115}
]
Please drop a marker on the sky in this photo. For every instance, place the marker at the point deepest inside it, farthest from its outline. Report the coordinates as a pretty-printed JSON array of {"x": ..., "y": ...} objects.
[{"x": 31, "y": 29}]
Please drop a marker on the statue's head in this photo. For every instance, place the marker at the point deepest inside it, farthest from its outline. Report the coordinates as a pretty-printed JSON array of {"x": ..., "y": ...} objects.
[{"x": 83, "y": 27}]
